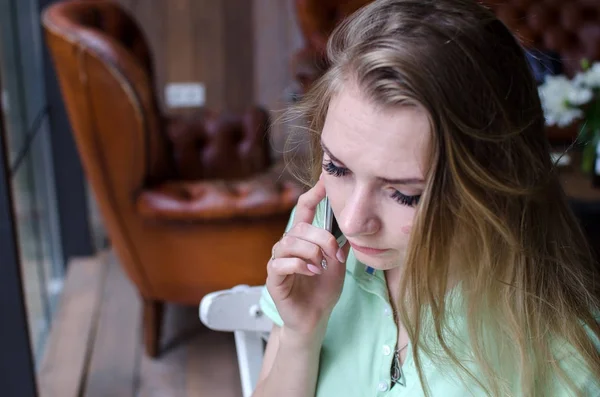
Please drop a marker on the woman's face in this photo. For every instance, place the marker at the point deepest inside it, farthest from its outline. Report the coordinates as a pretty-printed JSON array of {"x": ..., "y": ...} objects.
[{"x": 374, "y": 167}]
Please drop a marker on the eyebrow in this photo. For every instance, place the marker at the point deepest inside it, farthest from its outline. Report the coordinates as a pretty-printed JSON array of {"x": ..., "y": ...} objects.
[{"x": 399, "y": 181}]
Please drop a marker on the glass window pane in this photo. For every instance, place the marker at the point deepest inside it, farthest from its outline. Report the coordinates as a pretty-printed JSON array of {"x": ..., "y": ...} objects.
[
  {"x": 29, "y": 152},
  {"x": 27, "y": 219}
]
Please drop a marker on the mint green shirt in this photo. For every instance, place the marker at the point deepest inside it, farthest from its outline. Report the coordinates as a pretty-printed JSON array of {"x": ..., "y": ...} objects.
[{"x": 358, "y": 348}]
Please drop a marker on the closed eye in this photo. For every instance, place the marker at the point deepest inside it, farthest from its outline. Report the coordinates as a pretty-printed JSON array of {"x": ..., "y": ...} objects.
[
  {"x": 401, "y": 198},
  {"x": 334, "y": 170}
]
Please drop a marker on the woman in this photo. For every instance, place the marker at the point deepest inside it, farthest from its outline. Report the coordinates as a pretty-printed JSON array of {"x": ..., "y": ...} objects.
[{"x": 465, "y": 273}]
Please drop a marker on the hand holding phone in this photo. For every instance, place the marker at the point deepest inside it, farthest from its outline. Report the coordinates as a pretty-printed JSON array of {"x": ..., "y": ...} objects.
[{"x": 303, "y": 291}]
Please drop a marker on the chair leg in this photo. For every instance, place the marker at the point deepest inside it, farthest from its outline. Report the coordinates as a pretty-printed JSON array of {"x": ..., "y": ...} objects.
[{"x": 152, "y": 316}]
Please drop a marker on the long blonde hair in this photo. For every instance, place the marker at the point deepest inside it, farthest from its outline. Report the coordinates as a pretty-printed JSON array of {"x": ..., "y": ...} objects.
[{"x": 493, "y": 215}]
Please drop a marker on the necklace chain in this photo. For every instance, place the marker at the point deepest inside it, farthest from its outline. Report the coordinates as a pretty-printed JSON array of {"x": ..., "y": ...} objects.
[{"x": 396, "y": 371}]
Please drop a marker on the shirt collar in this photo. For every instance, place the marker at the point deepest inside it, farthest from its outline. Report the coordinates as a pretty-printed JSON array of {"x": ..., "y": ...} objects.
[{"x": 369, "y": 279}]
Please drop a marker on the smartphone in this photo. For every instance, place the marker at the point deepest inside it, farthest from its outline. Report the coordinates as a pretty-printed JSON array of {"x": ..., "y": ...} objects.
[{"x": 331, "y": 224}]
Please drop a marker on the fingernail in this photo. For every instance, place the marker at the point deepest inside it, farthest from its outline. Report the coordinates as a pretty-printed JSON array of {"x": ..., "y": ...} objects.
[
  {"x": 340, "y": 256},
  {"x": 314, "y": 269}
]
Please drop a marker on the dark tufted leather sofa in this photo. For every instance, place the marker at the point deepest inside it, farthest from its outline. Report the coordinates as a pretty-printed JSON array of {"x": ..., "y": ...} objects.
[
  {"x": 569, "y": 28},
  {"x": 192, "y": 205}
]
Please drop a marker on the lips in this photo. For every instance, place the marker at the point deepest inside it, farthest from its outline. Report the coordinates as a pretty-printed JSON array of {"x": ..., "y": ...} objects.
[{"x": 367, "y": 250}]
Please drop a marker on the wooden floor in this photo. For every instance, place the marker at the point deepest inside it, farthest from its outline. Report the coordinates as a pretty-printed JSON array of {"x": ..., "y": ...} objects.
[{"x": 95, "y": 345}]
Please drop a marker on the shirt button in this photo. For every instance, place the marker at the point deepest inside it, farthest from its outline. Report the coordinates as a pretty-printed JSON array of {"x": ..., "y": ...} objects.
[
  {"x": 383, "y": 386},
  {"x": 387, "y": 350},
  {"x": 387, "y": 311}
]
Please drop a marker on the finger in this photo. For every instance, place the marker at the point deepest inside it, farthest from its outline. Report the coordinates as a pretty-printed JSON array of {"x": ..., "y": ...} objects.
[
  {"x": 317, "y": 236},
  {"x": 338, "y": 263},
  {"x": 308, "y": 202},
  {"x": 278, "y": 269},
  {"x": 294, "y": 247}
]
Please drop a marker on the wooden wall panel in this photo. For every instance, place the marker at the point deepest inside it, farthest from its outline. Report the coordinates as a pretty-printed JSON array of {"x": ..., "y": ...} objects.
[
  {"x": 239, "y": 52},
  {"x": 276, "y": 38},
  {"x": 179, "y": 50},
  {"x": 240, "y": 49},
  {"x": 208, "y": 61}
]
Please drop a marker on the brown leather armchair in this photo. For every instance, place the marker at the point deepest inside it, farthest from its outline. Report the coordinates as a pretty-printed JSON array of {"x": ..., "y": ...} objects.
[
  {"x": 571, "y": 29},
  {"x": 191, "y": 205}
]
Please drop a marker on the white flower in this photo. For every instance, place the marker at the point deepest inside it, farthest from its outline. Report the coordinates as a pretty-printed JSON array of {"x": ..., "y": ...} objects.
[
  {"x": 556, "y": 93},
  {"x": 590, "y": 78},
  {"x": 579, "y": 96},
  {"x": 564, "y": 118}
]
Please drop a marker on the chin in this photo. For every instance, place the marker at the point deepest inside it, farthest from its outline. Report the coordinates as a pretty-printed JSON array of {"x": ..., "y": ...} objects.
[
  {"x": 382, "y": 265},
  {"x": 379, "y": 262}
]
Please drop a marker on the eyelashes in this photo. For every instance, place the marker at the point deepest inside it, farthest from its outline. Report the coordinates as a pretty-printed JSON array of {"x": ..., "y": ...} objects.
[
  {"x": 403, "y": 199},
  {"x": 334, "y": 170},
  {"x": 411, "y": 201}
]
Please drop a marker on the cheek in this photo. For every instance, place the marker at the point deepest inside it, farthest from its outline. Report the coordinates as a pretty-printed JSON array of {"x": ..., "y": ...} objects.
[
  {"x": 336, "y": 189},
  {"x": 330, "y": 187},
  {"x": 402, "y": 225}
]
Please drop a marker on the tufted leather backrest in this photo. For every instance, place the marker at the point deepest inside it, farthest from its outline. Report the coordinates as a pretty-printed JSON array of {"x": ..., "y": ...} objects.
[
  {"x": 570, "y": 28},
  {"x": 221, "y": 145}
]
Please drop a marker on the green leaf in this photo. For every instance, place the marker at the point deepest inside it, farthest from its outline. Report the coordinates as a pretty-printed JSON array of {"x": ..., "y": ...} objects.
[
  {"x": 585, "y": 64},
  {"x": 589, "y": 155}
]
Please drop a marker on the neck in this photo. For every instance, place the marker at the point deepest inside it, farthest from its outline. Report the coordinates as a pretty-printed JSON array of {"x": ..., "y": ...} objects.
[{"x": 393, "y": 277}]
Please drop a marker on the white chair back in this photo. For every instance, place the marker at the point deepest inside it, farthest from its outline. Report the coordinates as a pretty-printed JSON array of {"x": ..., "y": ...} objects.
[{"x": 236, "y": 310}]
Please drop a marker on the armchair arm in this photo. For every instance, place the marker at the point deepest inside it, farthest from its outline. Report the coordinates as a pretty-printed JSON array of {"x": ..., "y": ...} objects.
[{"x": 262, "y": 196}]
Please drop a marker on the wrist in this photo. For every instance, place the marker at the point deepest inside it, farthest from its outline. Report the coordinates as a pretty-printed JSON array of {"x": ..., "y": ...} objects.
[{"x": 303, "y": 339}]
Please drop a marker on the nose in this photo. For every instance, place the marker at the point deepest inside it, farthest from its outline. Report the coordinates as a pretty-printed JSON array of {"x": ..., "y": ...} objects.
[{"x": 357, "y": 217}]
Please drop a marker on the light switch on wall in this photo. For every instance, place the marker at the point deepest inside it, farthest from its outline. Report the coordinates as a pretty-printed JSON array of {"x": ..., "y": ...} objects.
[{"x": 185, "y": 95}]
